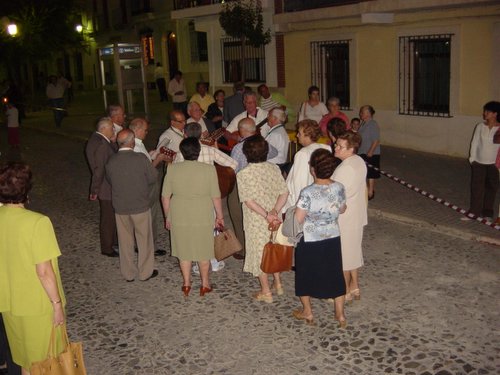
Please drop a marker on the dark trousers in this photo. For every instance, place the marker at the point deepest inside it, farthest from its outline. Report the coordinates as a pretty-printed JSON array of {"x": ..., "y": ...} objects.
[
  {"x": 5, "y": 356},
  {"x": 162, "y": 88},
  {"x": 236, "y": 215},
  {"x": 107, "y": 227},
  {"x": 484, "y": 186},
  {"x": 58, "y": 110}
]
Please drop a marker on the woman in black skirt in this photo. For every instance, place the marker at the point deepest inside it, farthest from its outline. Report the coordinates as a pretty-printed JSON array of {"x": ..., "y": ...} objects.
[{"x": 318, "y": 257}]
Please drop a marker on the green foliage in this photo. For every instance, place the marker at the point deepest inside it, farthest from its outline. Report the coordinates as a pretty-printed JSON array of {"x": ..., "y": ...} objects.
[
  {"x": 243, "y": 19},
  {"x": 45, "y": 27}
]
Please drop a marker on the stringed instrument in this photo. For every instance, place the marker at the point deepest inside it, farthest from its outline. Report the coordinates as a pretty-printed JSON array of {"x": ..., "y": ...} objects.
[
  {"x": 225, "y": 175},
  {"x": 232, "y": 138},
  {"x": 170, "y": 153}
]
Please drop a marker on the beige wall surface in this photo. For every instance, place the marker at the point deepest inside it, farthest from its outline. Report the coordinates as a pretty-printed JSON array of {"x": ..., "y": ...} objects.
[{"x": 375, "y": 71}]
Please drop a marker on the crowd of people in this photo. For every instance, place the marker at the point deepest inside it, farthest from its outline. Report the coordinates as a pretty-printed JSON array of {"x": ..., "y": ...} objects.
[
  {"x": 327, "y": 183},
  {"x": 177, "y": 187}
]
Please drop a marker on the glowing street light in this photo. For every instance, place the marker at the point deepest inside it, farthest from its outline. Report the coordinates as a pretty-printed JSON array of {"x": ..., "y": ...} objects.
[
  {"x": 12, "y": 29},
  {"x": 79, "y": 28}
]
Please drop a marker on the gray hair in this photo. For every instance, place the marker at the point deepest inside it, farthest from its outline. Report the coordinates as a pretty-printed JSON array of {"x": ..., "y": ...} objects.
[
  {"x": 193, "y": 129},
  {"x": 191, "y": 105},
  {"x": 137, "y": 124},
  {"x": 103, "y": 123},
  {"x": 333, "y": 100},
  {"x": 124, "y": 140},
  {"x": 249, "y": 93},
  {"x": 247, "y": 124},
  {"x": 113, "y": 109},
  {"x": 279, "y": 114}
]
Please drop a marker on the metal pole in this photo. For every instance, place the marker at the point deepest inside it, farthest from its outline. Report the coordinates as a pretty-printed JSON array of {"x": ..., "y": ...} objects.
[
  {"x": 118, "y": 73},
  {"x": 144, "y": 85}
]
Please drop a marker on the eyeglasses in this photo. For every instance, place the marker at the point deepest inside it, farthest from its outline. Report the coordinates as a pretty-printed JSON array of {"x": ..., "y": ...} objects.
[{"x": 341, "y": 147}]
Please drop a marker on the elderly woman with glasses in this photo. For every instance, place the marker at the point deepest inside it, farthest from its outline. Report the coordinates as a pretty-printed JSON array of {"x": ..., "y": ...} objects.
[{"x": 352, "y": 174}]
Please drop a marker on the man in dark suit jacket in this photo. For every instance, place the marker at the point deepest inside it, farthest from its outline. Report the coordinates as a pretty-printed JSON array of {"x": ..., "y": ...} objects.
[
  {"x": 233, "y": 105},
  {"x": 132, "y": 178},
  {"x": 98, "y": 151}
]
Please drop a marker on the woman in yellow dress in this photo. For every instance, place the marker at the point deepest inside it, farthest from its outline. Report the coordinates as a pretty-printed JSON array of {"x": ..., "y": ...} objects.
[{"x": 31, "y": 295}]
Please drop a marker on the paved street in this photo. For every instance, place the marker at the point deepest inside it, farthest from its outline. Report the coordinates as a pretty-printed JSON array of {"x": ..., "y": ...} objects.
[{"x": 429, "y": 301}]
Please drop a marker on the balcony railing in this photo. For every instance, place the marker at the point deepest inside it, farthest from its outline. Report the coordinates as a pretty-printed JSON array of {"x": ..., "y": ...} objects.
[
  {"x": 183, "y": 4},
  {"x": 299, "y": 5}
]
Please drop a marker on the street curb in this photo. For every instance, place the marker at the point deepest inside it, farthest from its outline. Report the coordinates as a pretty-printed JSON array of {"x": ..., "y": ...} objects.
[{"x": 442, "y": 229}]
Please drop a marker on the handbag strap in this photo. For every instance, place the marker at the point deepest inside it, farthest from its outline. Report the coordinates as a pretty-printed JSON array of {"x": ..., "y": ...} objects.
[{"x": 51, "y": 353}]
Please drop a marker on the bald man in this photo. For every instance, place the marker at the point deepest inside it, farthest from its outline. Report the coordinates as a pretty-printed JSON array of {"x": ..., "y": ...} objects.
[
  {"x": 132, "y": 178},
  {"x": 140, "y": 127}
]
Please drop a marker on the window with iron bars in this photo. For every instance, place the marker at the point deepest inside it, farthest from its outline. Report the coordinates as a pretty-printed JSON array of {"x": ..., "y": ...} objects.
[
  {"x": 330, "y": 70},
  {"x": 424, "y": 75},
  {"x": 255, "y": 61}
]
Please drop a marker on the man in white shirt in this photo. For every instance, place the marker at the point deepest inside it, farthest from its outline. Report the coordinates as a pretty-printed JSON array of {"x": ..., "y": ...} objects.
[
  {"x": 140, "y": 127},
  {"x": 195, "y": 112},
  {"x": 177, "y": 89},
  {"x": 483, "y": 154},
  {"x": 208, "y": 154},
  {"x": 251, "y": 111},
  {"x": 277, "y": 135},
  {"x": 172, "y": 137},
  {"x": 55, "y": 93},
  {"x": 117, "y": 114}
]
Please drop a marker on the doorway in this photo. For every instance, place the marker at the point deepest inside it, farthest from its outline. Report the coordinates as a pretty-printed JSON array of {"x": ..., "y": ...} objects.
[{"x": 173, "y": 64}]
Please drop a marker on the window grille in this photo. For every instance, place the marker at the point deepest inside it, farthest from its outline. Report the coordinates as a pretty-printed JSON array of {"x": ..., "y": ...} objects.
[
  {"x": 255, "y": 61},
  {"x": 424, "y": 75},
  {"x": 330, "y": 70}
]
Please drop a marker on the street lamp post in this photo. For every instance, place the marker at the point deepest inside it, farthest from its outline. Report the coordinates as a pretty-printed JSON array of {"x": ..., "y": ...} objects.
[{"x": 12, "y": 29}]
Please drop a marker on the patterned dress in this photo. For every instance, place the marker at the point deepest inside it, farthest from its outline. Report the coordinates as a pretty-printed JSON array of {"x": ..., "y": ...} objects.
[{"x": 262, "y": 183}]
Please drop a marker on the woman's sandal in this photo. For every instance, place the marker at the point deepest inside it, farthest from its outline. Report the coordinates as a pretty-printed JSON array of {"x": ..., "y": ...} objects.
[
  {"x": 297, "y": 314},
  {"x": 355, "y": 294},
  {"x": 342, "y": 323},
  {"x": 279, "y": 289},
  {"x": 348, "y": 298},
  {"x": 267, "y": 297}
]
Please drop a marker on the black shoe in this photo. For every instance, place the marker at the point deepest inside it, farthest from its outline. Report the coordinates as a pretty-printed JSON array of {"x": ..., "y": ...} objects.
[
  {"x": 153, "y": 275},
  {"x": 111, "y": 255},
  {"x": 160, "y": 252},
  {"x": 129, "y": 281}
]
